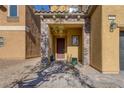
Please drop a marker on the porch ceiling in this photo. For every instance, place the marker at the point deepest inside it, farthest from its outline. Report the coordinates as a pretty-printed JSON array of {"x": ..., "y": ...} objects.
[
  {"x": 67, "y": 26},
  {"x": 61, "y": 29}
]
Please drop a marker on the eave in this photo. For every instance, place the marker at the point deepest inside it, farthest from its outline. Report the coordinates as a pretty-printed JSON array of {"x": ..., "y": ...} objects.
[
  {"x": 90, "y": 10},
  {"x": 50, "y": 14}
]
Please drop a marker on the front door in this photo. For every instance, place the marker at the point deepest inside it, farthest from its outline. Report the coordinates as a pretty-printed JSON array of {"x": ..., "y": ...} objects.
[{"x": 60, "y": 48}]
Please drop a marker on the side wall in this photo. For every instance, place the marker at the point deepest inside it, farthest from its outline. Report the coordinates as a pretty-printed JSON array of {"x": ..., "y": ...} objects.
[
  {"x": 105, "y": 44},
  {"x": 110, "y": 40},
  {"x": 13, "y": 31},
  {"x": 32, "y": 33},
  {"x": 96, "y": 49}
]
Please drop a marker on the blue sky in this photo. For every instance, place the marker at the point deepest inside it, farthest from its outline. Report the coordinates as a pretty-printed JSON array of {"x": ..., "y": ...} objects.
[{"x": 42, "y": 7}]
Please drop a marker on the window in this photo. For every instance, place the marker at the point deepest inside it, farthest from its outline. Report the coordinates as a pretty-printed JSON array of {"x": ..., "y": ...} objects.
[
  {"x": 1, "y": 41},
  {"x": 13, "y": 10}
]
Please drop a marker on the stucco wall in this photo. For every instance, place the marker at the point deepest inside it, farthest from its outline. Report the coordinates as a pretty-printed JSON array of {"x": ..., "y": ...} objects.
[
  {"x": 14, "y": 45},
  {"x": 74, "y": 51},
  {"x": 32, "y": 33},
  {"x": 110, "y": 40},
  {"x": 105, "y": 44},
  {"x": 6, "y": 20},
  {"x": 13, "y": 32},
  {"x": 96, "y": 48}
]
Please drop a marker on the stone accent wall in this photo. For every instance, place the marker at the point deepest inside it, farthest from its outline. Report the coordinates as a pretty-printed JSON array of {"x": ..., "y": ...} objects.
[
  {"x": 44, "y": 39},
  {"x": 86, "y": 40}
]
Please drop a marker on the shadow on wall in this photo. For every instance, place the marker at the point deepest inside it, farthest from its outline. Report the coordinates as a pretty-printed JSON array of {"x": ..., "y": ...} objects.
[
  {"x": 31, "y": 37},
  {"x": 32, "y": 33}
]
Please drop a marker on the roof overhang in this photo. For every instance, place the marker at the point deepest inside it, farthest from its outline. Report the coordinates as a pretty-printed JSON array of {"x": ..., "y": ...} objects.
[
  {"x": 49, "y": 14},
  {"x": 90, "y": 10}
]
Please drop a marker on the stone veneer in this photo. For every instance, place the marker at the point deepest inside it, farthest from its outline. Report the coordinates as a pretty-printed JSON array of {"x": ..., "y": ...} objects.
[
  {"x": 86, "y": 35},
  {"x": 44, "y": 39}
]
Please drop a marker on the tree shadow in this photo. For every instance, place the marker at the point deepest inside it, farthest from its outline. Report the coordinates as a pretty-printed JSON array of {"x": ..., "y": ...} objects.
[{"x": 46, "y": 72}]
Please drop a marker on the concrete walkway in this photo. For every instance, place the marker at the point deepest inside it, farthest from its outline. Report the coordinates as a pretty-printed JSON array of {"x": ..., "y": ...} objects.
[
  {"x": 57, "y": 75},
  {"x": 62, "y": 75},
  {"x": 32, "y": 74},
  {"x": 12, "y": 71},
  {"x": 102, "y": 80}
]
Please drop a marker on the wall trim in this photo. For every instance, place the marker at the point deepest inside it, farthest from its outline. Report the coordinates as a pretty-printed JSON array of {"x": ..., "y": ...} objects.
[
  {"x": 80, "y": 23},
  {"x": 12, "y": 27},
  {"x": 111, "y": 72}
]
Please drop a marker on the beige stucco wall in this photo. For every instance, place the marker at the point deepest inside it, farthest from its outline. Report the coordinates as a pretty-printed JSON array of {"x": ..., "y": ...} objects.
[
  {"x": 95, "y": 40},
  {"x": 110, "y": 40},
  {"x": 14, "y": 45},
  {"x": 21, "y": 34},
  {"x": 74, "y": 51},
  {"x": 32, "y": 34},
  {"x": 13, "y": 32},
  {"x": 5, "y": 20},
  {"x": 105, "y": 44}
]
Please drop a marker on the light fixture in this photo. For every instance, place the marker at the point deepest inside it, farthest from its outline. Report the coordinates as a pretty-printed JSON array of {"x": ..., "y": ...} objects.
[
  {"x": 58, "y": 29},
  {"x": 54, "y": 17},
  {"x": 78, "y": 17},
  {"x": 66, "y": 17},
  {"x": 61, "y": 29},
  {"x": 112, "y": 17},
  {"x": 113, "y": 24}
]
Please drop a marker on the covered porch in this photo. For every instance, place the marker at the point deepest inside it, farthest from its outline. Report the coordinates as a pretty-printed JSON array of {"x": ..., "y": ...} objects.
[{"x": 66, "y": 42}]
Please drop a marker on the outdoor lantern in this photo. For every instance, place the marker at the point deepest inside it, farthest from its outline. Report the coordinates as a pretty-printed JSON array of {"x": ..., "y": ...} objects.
[
  {"x": 113, "y": 24},
  {"x": 112, "y": 17},
  {"x": 61, "y": 29}
]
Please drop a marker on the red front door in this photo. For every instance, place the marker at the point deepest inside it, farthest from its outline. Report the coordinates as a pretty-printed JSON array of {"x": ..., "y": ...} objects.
[{"x": 60, "y": 48}]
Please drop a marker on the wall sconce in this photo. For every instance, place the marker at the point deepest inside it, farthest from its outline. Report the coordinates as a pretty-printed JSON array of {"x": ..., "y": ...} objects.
[{"x": 113, "y": 24}]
